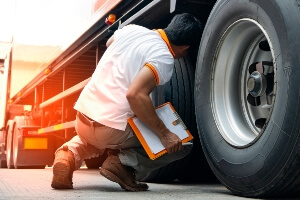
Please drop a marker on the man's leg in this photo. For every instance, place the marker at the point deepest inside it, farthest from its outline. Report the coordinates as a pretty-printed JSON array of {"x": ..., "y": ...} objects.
[
  {"x": 70, "y": 156},
  {"x": 134, "y": 156},
  {"x": 138, "y": 159},
  {"x": 112, "y": 168},
  {"x": 81, "y": 150}
]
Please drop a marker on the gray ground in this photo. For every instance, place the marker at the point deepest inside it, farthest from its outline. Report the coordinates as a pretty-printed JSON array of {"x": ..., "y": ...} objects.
[{"x": 89, "y": 184}]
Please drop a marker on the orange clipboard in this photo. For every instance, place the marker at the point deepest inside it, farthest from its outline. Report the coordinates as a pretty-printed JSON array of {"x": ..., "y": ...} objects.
[{"x": 149, "y": 139}]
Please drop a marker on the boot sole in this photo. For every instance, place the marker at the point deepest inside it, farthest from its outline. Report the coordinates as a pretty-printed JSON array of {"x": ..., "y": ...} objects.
[
  {"x": 111, "y": 176},
  {"x": 61, "y": 172}
]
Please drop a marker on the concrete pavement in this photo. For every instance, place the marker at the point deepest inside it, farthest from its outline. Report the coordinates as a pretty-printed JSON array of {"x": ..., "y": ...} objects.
[{"x": 89, "y": 184}]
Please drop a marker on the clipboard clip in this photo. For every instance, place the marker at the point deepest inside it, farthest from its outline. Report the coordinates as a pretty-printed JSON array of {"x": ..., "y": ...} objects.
[{"x": 179, "y": 121}]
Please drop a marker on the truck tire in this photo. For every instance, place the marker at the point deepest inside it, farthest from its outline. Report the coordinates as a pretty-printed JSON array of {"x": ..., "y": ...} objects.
[
  {"x": 179, "y": 91},
  {"x": 9, "y": 144},
  {"x": 15, "y": 141},
  {"x": 3, "y": 164},
  {"x": 247, "y": 96},
  {"x": 2, "y": 150},
  {"x": 31, "y": 158}
]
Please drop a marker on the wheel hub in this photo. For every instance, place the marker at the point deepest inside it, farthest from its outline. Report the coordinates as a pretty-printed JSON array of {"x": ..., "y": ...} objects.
[
  {"x": 257, "y": 84},
  {"x": 243, "y": 83}
]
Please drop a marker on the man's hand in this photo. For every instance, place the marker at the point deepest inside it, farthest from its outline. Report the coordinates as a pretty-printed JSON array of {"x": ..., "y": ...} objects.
[{"x": 171, "y": 142}]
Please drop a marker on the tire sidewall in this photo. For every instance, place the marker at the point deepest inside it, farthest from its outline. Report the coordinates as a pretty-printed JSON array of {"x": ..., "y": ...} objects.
[
  {"x": 9, "y": 153},
  {"x": 256, "y": 166}
]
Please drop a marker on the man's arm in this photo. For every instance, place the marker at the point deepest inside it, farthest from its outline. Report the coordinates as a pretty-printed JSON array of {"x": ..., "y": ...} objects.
[{"x": 141, "y": 104}]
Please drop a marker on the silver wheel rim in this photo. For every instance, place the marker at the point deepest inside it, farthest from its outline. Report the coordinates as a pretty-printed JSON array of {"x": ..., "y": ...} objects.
[{"x": 239, "y": 121}]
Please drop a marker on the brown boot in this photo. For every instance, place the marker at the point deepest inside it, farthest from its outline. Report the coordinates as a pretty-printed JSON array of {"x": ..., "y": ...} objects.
[
  {"x": 115, "y": 171},
  {"x": 63, "y": 168}
]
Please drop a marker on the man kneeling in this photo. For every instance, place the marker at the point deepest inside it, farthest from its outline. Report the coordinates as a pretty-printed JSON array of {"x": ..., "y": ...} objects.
[{"x": 136, "y": 61}]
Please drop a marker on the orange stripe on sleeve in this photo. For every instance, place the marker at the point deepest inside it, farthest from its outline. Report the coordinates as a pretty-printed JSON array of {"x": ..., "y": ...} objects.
[{"x": 153, "y": 70}]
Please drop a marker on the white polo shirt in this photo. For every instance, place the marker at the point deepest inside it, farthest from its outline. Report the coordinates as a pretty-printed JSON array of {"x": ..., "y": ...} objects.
[{"x": 103, "y": 99}]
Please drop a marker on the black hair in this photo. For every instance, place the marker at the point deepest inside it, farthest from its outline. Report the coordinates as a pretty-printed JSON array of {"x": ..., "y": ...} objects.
[{"x": 184, "y": 29}]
